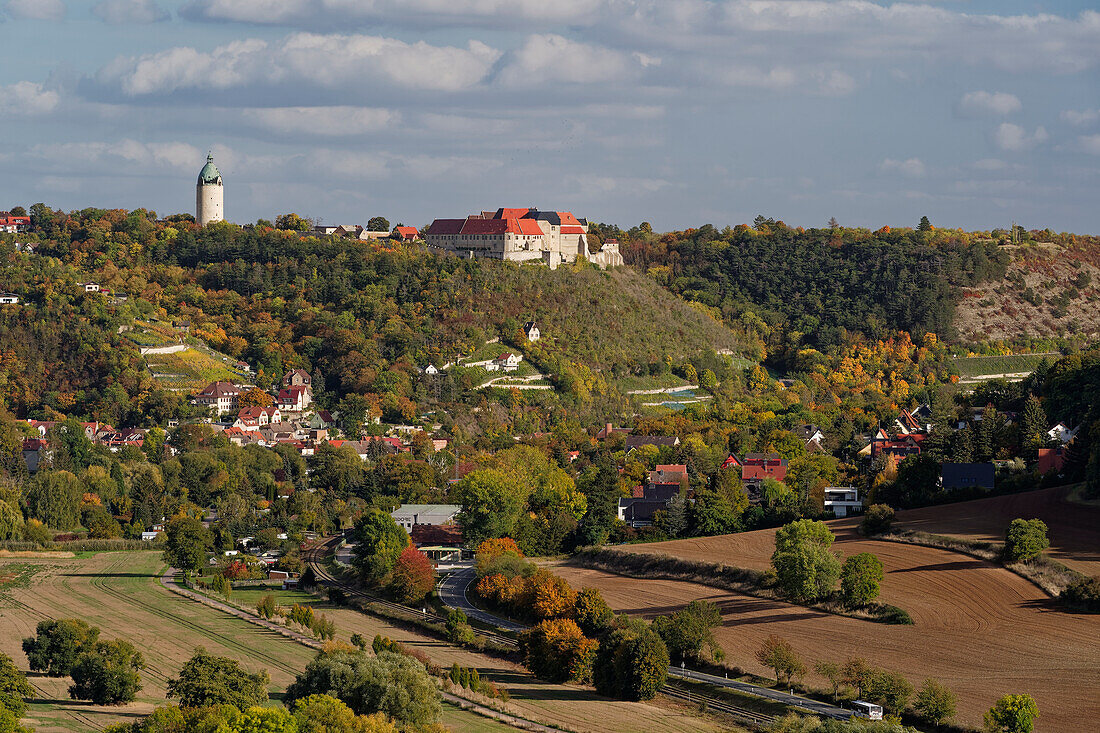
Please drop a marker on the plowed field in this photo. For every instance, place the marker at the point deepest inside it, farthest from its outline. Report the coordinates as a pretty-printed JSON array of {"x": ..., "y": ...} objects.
[{"x": 980, "y": 629}]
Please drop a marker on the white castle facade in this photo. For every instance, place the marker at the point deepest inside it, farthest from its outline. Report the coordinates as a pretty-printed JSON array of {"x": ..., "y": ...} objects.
[{"x": 209, "y": 202}]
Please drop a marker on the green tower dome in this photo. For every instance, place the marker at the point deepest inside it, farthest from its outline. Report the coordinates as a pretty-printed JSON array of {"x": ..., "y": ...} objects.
[{"x": 209, "y": 173}]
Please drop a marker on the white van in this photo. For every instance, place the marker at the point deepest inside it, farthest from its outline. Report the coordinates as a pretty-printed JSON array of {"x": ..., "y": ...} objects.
[{"x": 866, "y": 710}]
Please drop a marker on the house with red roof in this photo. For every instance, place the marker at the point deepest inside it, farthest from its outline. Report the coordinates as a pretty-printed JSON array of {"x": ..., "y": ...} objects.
[
  {"x": 295, "y": 398},
  {"x": 406, "y": 234}
]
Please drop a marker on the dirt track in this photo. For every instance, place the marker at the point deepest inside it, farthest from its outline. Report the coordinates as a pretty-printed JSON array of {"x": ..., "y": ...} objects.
[{"x": 980, "y": 629}]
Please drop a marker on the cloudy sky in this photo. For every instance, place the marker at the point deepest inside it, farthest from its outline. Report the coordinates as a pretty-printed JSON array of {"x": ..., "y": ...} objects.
[{"x": 679, "y": 112}]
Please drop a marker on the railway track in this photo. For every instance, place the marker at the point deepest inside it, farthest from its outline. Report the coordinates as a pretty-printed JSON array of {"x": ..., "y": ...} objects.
[
  {"x": 314, "y": 557},
  {"x": 719, "y": 706}
]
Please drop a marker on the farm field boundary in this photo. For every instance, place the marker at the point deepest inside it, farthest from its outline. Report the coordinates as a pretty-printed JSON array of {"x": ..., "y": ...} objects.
[{"x": 718, "y": 575}]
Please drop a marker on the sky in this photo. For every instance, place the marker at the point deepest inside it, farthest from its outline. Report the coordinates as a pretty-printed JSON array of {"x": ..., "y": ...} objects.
[{"x": 678, "y": 112}]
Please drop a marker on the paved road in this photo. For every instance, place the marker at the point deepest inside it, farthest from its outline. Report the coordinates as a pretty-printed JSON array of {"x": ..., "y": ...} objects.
[
  {"x": 453, "y": 593},
  {"x": 804, "y": 703}
]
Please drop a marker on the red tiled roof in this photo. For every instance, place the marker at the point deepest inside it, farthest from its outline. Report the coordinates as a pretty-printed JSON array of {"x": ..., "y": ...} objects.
[
  {"x": 567, "y": 219},
  {"x": 572, "y": 230},
  {"x": 407, "y": 232},
  {"x": 511, "y": 213}
]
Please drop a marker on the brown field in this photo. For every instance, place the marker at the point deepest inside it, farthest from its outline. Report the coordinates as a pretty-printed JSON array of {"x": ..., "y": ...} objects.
[
  {"x": 980, "y": 629},
  {"x": 1074, "y": 529},
  {"x": 120, "y": 593}
]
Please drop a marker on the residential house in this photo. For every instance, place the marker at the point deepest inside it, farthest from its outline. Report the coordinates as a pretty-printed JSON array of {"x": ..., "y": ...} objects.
[
  {"x": 89, "y": 287},
  {"x": 435, "y": 515},
  {"x": 842, "y": 500},
  {"x": 1051, "y": 460},
  {"x": 954, "y": 476},
  {"x": 134, "y": 437},
  {"x": 253, "y": 418},
  {"x": 906, "y": 424},
  {"x": 900, "y": 446},
  {"x": 755, "y": 467},
  {"x": 430, "y": 370},
  {"x": 731, "y": 461},
  {"x": 640, "y": 512},
  {"x": 508, "y": 361},
  {"x": 1062, "y": 433},
  {"x": 531, "y": 331},
  {"x": 634, "y": 442},
  {"x": 321, "y": 419},
  {"x": 14, "y": 224},
  {"x": 297, "y": 378},
  {"x": 36, "y": 452},
  {"x": 9, "y": 299},
  {"x": 221, "y": 397},
  {"x": 406, "y": 234},
  {"x": 295, "y": 398},
  {"x": 324, "y": 230}
]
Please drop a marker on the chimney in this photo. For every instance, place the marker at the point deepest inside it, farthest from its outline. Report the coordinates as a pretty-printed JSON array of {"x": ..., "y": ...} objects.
[{"x": 607, "y": 430}]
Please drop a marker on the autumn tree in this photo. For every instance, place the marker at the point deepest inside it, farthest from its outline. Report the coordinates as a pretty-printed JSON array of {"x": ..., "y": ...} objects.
[
  {"x": 413, "y": 576},
  {"x": 255, "y": 397},
  {"x": 1012, "y": 714},
  {"x": 805, "y": 567},
  {"x": 107, "y": 673},
  {"x": 592, "y": 613},
  {"x": 631, "y": 662},
  {"x": 1025, "y": 540},
  {"x": 378, "y": 224},
  {"x": 777, "y": 654},
  {"x": 551, "y": 595},
  {"x": 859, "y": 579},
  {"x": 935, "y": 703},
  {"x": 209, "y": 680},
  {"x": 557, "y": 650},
  {"x": 890, "y": 690},
  {"x": 379, "y": 541},
  {"x": 832, "y": 672},
  {"x": 857, "y": 673}
]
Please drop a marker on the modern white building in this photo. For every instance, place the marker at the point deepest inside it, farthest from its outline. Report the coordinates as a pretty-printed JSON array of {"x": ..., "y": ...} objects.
[
  {"x": 209, "y": 202},
  {"x": 408, "y": 515},
  {"x": 843, "y": 500}
]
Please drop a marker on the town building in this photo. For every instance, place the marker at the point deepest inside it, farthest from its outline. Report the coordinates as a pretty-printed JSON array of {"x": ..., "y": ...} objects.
[
  {"x": 411, "y": 515},
  {"x": 294, "y": 399},
  {"x": 297, "y": 378},
  {"x": 14, "y": 224},
  {"x": 842, "y": 500},
  {"x": 406, "y": 234},
  {"x": 221, "y": 397},
  {"x": 209, "y": 194}
]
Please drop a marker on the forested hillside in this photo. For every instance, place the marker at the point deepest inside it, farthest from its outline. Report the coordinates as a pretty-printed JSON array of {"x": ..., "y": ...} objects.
[
  {"x": 361, "y": 317},
  {"x": 815, "y": 284}
]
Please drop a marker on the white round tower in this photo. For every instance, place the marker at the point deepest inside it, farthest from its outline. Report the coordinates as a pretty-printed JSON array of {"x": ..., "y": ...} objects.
[{"x": 208, "y": 194}]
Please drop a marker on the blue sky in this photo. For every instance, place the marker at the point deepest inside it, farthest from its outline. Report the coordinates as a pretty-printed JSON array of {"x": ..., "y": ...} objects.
[{"x": 678, "y": 112}]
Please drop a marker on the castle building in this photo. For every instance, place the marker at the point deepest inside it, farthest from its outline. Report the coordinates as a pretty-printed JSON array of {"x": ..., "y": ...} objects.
[
  {"x": 519, "y": 235},
  {"x": 208, "y": 194}
]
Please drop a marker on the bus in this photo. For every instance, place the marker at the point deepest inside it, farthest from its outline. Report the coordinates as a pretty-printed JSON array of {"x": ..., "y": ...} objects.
[{"x": 866, "y": 710}]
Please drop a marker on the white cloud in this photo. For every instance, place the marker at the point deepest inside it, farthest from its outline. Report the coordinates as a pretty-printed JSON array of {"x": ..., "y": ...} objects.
[
  {"x": 1082, "y": 117},
  {"x": 327, "y": 121},
  {"x": 297, "y": 12},
  {"x": 910, "y": 168},
  {"x": 1010, "y": 137},
  {"x": 552, "y": 58},
  {"x": 335, "y": 62},
  {"x": 36, "y": 9},
  {"x": 130, "y": 11},
  {"x": 26, "y": 98},
  {"x": 1090, "y": 143},
  {"x": 137, "y": 157},
  {"x": 997, "y": 103}
]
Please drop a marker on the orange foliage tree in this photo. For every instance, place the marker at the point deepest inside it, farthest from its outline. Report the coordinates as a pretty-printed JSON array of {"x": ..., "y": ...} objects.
[
  {"x": 556, "y": 650},
  {"x": 551, "y": 596},
  {"x": 413, "y": 576},
  {"x": 255, "y": 397}
]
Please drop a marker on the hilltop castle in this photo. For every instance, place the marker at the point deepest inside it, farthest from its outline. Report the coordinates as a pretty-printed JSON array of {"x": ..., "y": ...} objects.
[
  {"x": 520, "y": 235},
  {"x": 208, "y": 194}
]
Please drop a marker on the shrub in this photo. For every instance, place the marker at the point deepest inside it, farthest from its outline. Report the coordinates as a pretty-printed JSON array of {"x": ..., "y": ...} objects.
[
  {"x": 458, "y": 628},
  {"x": 1083, "y": 595},
  {"x": 878, "y": 520},
  {"x": 1025, "y": 539},
  {"x": 266, "y": 607},
  {"x": 859, "y": 579}
]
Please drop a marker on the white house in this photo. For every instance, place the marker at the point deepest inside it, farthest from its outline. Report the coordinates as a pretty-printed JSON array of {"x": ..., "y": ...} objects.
[
  {"x": 149, "y": 536},
  {"x": 1062, "y": 433},
  {"x": 295, "y": 398},
  {"x": 843, "y": 500},
  {"x": 532, "y": 331},
  {"x": 9, "y": 299},
  {"x": 90, "y": 287},
  {"x": 430, "y": 370},
  {"x": 508, "y": 362}
]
